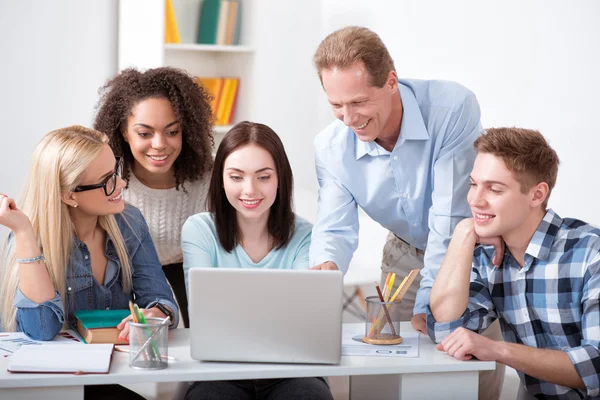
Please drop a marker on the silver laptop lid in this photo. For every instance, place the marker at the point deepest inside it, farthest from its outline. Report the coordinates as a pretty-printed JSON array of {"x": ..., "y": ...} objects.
[{"x": 255, "y": 315}]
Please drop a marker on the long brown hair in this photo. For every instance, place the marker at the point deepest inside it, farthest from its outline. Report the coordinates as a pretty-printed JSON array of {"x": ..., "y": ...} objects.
[{"x": 281, "y": 217}]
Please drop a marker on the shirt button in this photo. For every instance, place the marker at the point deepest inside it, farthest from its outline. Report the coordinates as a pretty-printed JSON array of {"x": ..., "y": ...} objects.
[
  {"x": 86, "y": 257},
  {"x": 69, "y": 289},
  {"x": 404, "y": 195},
  {"x": 395, "y": 158},
  {"x": 415, "y": 225},
  {"x": 525, "y": 314}
]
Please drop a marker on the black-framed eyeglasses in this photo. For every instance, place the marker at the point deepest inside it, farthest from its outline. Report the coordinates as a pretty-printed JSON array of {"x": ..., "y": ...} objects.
[{"x": 109, "y": 184}]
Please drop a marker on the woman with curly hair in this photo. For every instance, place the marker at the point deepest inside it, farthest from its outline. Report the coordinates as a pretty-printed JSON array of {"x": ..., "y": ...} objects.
[{"x": 160, "y": 122}]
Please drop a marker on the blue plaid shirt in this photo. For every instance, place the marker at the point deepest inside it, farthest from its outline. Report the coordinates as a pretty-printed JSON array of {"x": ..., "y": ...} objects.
[{"x": 550, "y": 303}]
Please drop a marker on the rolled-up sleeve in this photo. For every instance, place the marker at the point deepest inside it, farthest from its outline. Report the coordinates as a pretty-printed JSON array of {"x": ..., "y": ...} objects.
[
  {"x": 39, "y": 321},
  {"x": 149, "y": 282},
  {"x": 478, "y": 316},
  {"x": 450, "y": 187},
  {"x": 586, "y": 358},
  {"x": 335, "y": 234}
]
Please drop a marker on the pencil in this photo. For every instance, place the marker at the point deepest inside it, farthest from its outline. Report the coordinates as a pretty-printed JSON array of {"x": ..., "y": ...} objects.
[
  {"x": 387, "y": 314},
  {"x": 390, "y": 286},
  {"x": 403, "y": 288},
  {"x": 155, "y": 352},
  {"x": 134, "y": 318},
  {"x": 387, "y": 280}
]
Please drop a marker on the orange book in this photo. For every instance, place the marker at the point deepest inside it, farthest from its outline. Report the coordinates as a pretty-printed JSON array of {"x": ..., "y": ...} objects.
[
  {"x": 221, "y": 109},
  {"x": 231, "y": 99},
  {"x": 215, "y": 87}
]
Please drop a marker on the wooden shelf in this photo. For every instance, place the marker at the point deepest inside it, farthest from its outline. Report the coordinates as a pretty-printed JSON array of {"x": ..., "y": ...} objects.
[{"x": 215, "y": 48}]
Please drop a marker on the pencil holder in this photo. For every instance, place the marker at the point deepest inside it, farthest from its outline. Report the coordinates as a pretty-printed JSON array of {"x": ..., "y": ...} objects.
[
  {"x": 383, "y": 322},
  {"x": 148, "y": 344}
]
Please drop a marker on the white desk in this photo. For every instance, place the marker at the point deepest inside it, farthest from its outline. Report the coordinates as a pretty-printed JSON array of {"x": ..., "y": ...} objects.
[{"x": 432, "y": 375}]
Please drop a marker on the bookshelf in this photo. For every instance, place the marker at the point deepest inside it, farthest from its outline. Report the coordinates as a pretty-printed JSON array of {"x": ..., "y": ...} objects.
[
  {"x": 209, "y": 48},
  {"x": 141, "y": 44},
  {"x": 278, "y": 84}
]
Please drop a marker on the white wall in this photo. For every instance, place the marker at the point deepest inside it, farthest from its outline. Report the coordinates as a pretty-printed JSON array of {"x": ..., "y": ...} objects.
[
  {"x": 54, "y": 57},
  {"x": 286, "y": 36},
  {"x": 532, "y": 64}
]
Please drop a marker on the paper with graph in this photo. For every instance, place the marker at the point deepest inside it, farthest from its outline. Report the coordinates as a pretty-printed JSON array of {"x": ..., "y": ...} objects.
[{"x": 352, "y": 345}]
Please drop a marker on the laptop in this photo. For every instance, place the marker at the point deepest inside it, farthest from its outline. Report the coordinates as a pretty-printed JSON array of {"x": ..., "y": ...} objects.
[{"x": 265, "y": 315}]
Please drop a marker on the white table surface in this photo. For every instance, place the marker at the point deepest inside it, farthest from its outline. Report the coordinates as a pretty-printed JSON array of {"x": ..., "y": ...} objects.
[{"x": 430, "y": 361}]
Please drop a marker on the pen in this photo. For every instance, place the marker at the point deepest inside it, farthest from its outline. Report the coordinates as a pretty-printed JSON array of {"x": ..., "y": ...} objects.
[
  {"x": 155, "y": 353},
  {"x": 150, "y": 340},
  {"x": 134, "y": 318}
]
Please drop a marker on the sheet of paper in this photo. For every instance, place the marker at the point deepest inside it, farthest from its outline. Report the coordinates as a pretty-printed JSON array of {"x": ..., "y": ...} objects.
[
  {"x": 352, "y": 345},
  {"x": 12, "y": 341},
  {"x": 55, "y": 357}
]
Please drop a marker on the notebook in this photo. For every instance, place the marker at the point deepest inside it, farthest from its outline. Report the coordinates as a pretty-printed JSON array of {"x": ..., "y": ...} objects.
[
  {"x": 99, "y": 326},
  {"x": 256, "y": 315},
  {"x": 61, "y": 358}
]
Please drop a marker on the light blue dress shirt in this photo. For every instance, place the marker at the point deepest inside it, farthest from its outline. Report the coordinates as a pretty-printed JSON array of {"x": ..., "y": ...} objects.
[
  {"x": 418, "y": 190},
  {"x": 202, "y": 249}
]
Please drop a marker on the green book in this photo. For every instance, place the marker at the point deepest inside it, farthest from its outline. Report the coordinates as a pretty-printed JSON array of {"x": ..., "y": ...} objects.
[
  {"x": 209, "y": 22},
  {"x": 101, "y": 318},
  {"x": 100, "y": 326}
]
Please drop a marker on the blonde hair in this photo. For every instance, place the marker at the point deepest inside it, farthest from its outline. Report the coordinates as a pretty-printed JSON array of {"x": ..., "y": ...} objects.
[
  {"x": 58, "y": 165},
  {"x": 346, "y": 46}
]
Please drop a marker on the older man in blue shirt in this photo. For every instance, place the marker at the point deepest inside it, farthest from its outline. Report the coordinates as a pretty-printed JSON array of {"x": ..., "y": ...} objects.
[{"x": 402, "y": 150}]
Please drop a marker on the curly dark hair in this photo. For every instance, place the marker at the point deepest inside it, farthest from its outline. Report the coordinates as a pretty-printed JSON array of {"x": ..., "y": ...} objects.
[{"x": 190, "y": 102}]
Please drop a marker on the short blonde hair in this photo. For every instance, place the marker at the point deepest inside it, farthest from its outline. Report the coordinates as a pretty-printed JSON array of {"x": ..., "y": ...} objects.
[
  {"x": 352, "y": 44},
  {"x": 525, "y": 152}
]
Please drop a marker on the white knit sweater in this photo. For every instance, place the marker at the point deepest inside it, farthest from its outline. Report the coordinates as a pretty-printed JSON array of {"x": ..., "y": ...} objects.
[{"x": 165, "y": 211}]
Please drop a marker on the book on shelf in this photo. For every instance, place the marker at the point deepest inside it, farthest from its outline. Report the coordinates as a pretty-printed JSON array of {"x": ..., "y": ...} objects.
[
  {"x": 220, "y": 22},
  {"x": 224, "y": 92},
  {"x": 187, "y": 14},
  {"x": 100, "y": 326},
  {"x": 171, "y": 30}
]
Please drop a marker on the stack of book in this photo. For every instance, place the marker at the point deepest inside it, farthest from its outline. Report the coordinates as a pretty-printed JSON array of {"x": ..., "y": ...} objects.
[
  {"x": 100, "y": 326},
  {"x": 224, "y": 92}
]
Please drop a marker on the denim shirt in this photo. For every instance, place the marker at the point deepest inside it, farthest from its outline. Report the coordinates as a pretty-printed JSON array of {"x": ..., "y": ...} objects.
[{"x": 83, "y": 292}]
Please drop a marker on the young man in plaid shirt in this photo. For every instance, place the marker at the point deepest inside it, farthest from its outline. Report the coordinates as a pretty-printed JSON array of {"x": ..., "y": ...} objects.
[{"x": 546, "y": 291}]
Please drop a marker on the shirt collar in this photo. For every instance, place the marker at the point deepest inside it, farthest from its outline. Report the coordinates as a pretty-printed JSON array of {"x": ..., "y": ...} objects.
[
  {"x": 411, "y": 128},
  {"x": 541, "y": 243},
  {"x": 109, "y": 251}
]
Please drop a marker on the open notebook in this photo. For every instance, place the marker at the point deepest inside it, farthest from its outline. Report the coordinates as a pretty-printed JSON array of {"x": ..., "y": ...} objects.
[{"x": 88, "y": 359}]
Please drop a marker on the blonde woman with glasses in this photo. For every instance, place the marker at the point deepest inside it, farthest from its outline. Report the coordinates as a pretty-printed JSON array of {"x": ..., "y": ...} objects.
[{"x": 75, "y": 244}]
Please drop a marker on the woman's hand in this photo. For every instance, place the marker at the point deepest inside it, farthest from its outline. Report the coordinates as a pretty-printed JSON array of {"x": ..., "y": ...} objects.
[
  {"x": 11, "y": 217},
  {"x": 153, "y": 312}
]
